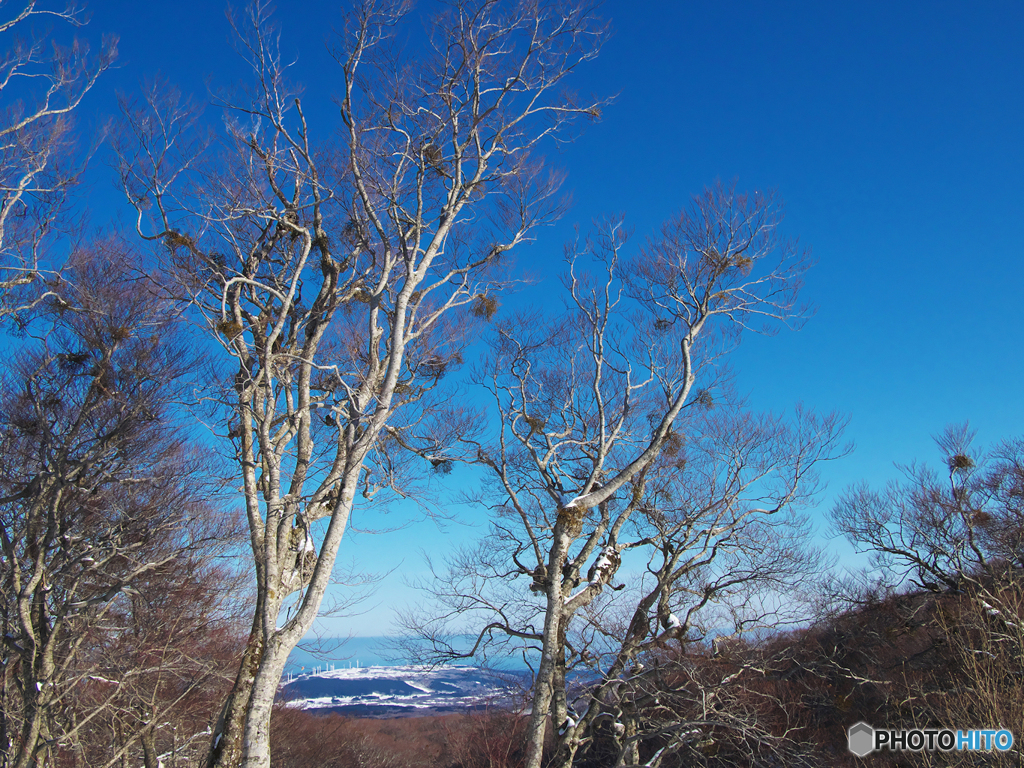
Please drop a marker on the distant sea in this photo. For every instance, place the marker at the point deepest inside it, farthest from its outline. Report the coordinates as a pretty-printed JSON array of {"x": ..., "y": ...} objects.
[{"x": 340, "y": 652}]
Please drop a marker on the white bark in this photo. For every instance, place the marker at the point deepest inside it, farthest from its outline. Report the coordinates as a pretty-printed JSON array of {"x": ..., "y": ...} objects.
[
  {"x": 587, "y": 408},
  {"x": 344, "y": 288}
]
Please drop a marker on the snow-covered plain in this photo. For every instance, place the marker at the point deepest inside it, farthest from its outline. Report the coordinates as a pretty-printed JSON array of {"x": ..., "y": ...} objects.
[{"x": 400, "y": 691}]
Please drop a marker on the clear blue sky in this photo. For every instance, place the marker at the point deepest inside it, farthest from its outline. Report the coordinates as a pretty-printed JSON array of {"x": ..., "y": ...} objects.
[{"x": 893, "y": 131}]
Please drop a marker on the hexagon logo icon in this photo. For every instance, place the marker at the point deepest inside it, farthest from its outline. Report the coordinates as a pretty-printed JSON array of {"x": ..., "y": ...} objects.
[{"x": 861, "y": 739}]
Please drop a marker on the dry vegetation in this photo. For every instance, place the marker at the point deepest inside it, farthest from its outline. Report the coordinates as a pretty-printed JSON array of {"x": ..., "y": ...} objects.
[
  {"x": 304, "y": 740},
  {"x": 914, "y": 660}
]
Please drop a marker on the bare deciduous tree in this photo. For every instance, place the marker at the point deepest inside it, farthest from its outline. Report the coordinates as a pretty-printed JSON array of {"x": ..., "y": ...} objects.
[
  {"x": 340, "y": 279},
  {"x": 726, "y": 558},
  {"x": 930, "y": 635},
  {"x": 711, "y": 550},
  {"x": 586, "y": 404},
  {"x": 157, "y": 681},
  {"x": 99, "y": 492},
  {"x": 960, "y": 531},
  {"x": 41, "y": 85}
]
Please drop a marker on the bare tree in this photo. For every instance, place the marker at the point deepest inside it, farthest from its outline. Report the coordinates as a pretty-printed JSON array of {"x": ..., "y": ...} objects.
[
  {"x": 726, "y": 559},
  {"x": 340, "y": 279},
  {"x": 41, "y": 85},
  {"x": 960, "y": 531},
  {"x": 952, "y": 541},
  {"x": 99, "y": 491},
  {"x": 930, "y": 635},
  {"x": 157, "y": 668},
  {"x": 711, "y": 551},
  {"x": 693, "y": 708},
  {"x": 585, "y": 406}
]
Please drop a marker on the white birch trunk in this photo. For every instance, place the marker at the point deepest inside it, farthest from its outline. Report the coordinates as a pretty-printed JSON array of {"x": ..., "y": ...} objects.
[{"x": 543, "y": 687}]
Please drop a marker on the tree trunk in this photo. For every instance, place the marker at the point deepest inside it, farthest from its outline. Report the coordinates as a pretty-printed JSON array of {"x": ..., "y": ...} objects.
[
  {"x": 6, "y": 737},
  {"x": 226, "y": 745},
  {"x": 31, "y": 728},
  {"x": 631, "y": 754},
  {"x": 566, "y": 743},
  {"x": 29, "y": 735},
  {"x": 149, "y": 754},
  {"x": 543, "y": 689},
  {"x": 256, "y": 753}
]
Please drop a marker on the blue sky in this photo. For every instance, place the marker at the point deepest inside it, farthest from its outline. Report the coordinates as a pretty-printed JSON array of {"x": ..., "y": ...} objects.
[{"x": 893, "y": 131}]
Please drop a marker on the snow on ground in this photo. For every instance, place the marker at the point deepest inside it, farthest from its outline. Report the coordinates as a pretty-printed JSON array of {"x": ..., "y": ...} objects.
[{"x": 396, "y": 691}]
